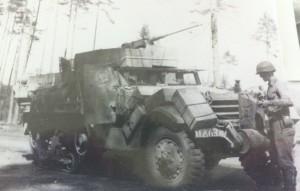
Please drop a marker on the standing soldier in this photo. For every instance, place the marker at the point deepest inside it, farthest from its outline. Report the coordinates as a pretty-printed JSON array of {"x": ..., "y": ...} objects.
[{"x": 282, "y": 132}]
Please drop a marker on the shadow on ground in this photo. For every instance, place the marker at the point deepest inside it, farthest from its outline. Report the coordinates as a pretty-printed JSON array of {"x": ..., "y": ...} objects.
[
  {"x": 30, "y": 177},
  {"x": 18, "y": 174}
]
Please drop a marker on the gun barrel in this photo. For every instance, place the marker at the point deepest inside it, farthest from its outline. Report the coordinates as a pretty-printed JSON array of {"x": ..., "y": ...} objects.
[
  {"x": 169, "y": 34},
  {"x": 142, "y": 43}
]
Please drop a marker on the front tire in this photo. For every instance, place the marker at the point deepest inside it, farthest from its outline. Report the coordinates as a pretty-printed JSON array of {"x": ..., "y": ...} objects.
[{"x": 172, "y": 159}]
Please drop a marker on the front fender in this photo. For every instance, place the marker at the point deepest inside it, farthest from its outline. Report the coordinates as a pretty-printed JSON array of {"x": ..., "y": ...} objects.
[
  {"x": 231, "y": 138},
  {"x": 167, "y": 116}
]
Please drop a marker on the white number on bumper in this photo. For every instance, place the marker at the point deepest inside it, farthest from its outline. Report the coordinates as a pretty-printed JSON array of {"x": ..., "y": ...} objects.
[{"x": 211, "y": 132}]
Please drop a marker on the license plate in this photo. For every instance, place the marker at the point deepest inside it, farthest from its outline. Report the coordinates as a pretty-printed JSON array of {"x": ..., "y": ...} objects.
[{"x": 211, "y": 132}]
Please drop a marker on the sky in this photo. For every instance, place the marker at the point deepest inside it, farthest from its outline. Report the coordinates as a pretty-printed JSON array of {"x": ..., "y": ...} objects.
[{"x": 236, "y": 28}]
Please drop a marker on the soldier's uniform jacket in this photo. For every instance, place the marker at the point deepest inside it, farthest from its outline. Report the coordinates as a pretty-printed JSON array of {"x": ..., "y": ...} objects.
[{"x": 280, "y": 101}]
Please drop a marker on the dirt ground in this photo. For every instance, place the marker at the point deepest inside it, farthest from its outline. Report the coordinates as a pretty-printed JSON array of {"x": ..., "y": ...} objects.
[{"x": 17, "y": 173}]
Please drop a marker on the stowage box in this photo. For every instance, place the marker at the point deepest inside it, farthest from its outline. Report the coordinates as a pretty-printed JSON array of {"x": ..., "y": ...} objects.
[{"x": 194, "y": 109}]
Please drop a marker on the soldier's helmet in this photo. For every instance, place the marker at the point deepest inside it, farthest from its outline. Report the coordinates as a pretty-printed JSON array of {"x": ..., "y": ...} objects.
[{"x": 265, "y": 66}]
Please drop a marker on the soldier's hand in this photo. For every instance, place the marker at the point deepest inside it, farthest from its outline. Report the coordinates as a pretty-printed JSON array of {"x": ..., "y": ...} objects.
[
  {"x": 264, "y": 103},
  {"x": 260, "y": 95}
]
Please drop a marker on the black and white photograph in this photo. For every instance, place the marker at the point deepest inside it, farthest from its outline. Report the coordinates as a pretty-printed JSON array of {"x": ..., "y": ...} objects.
[{"x": 149, "y": 95}]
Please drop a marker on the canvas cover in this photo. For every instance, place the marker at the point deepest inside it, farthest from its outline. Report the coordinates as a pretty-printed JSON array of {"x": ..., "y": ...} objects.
[
  {"x": 55, "y": 91},
  {"x": 247, "y": 108},
  {"x": 34, "y": 83},
  {"x": 151, "y": 56}
]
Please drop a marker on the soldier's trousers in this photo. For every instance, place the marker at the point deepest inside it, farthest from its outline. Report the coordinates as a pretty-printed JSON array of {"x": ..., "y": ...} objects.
[{"x": 281, "y": 152}]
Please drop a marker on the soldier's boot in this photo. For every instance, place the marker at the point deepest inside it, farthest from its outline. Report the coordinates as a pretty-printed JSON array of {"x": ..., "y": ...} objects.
[
  {"x": 277, "y": 176},
  {"x": 261, "y": 187},
  {"x": 289, "y": 177},
  {"x": 269, "y": 187},
  {"x": 272, "y": 181}
]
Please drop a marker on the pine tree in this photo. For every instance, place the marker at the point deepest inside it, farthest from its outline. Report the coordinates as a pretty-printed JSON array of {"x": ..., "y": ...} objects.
[
  {"x": 215, "y": 7},
  {"x": 266, "y": 32}
]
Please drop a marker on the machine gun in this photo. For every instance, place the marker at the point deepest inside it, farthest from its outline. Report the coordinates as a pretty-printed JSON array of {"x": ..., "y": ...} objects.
[{"x": 142, "y": 43}]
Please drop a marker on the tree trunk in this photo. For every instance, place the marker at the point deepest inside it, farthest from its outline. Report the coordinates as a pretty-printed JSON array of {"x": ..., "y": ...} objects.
[
  {"x": 215, "y": 49},
  {"x": 15, "y": 119},
  {"x": 10, "y": 110},
  {"x": 14, "y": 77},
  {"x": 54, "y": 39},
  {"x": 32, "y": 37},
  {"x": 13, "y": 111},
  {"x": 6, "y": 51},
  {"x": 4, "y": 40},
  {"x": 68, "y": 29},
  {"x": 74, "y": 30},
  {"x": 96, "y": 27}
]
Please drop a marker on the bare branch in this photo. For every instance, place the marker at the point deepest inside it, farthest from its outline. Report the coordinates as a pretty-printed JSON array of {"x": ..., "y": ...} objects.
[
  {"x": 201, "y": 12},
  {"x": 108, "y": 16}
]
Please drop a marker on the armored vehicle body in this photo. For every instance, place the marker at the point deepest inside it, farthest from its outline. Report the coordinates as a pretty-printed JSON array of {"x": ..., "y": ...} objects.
[{"x": 136, "y": 103}]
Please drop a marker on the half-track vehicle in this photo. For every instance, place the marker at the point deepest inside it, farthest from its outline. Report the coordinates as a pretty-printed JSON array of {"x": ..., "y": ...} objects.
[{"x": 134, "y": 102}]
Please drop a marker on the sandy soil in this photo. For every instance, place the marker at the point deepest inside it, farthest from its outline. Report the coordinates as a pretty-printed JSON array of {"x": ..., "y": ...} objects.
[{"x": 17, "y": 173}]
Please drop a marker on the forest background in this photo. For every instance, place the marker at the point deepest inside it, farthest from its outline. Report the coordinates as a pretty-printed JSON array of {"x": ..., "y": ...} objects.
[{"x": 232, "y": 38}]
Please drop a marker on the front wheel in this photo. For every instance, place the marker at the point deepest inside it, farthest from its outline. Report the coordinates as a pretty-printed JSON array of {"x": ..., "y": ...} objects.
[{"x": 172, "y": 159}]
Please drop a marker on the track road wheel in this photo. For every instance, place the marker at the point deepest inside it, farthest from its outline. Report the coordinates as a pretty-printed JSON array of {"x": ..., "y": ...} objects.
[
  {"x": 257, "y": 165},
  {"x": 70, "y": 163},
  {"x": 39, "y": 146},
  {"x": 33, "y": 143},
  {"x": 172, "y": 160},
  {"x": 33, "y": 147},
  {"x": 81, "y": 142}
]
